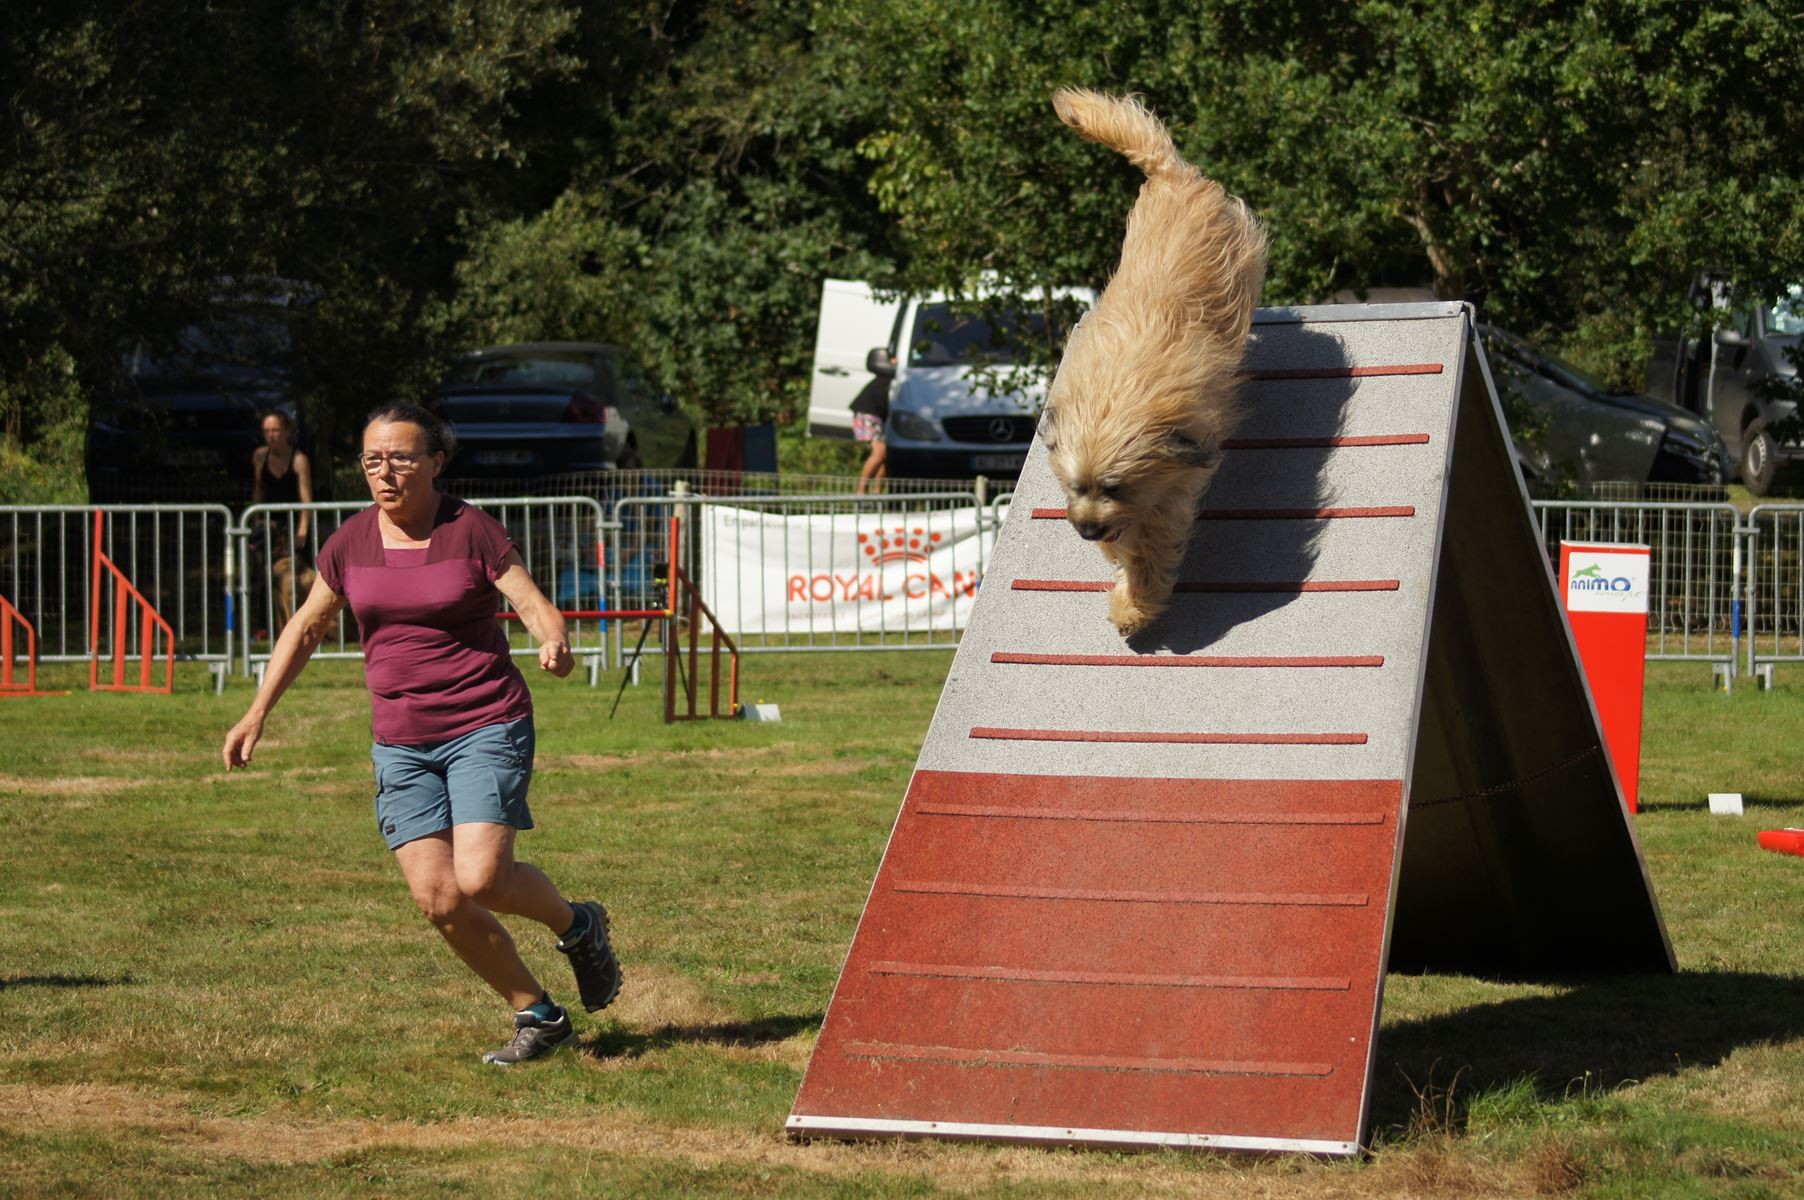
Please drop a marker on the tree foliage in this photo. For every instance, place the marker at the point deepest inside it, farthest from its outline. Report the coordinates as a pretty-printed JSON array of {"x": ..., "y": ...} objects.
[
  {"x": 155, "y": 153},
  {"x": 1565, "y": 165},
  {"x": 680, "y": 177},
  {"x": 700, "y": 232}
]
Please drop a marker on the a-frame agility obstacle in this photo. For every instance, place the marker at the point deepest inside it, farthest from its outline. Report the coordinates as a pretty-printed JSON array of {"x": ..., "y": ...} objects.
[{"x": 1146, "y": 894}]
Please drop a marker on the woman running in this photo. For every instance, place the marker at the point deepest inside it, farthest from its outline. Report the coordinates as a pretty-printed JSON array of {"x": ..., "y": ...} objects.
[{"x": 450, "y": 714}]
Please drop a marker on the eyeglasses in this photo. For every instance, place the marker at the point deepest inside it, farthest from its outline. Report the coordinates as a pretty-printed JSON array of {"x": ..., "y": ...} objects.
[{"x": 403, "y": 464}]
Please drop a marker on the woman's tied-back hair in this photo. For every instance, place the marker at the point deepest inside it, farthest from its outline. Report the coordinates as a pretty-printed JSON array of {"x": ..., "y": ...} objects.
[
  {"x": 439, "y": 438},
  {"x": 282, "y": 415}
]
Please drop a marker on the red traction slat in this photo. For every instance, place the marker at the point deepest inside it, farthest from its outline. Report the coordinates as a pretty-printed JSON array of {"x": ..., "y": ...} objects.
[
  {"x": 1302, "y": 983},
  {"x": 1272, "y": 514},
  {"x": 1016, "y": 658},
  {"x": 1163, "y": 738},
  {"x": 1147, "y": 816},
  {"x": 1079, "y": 1062},
  {"x": 1345, "y": 372},
  {"x": 1233, "y": 586},
  {"x": 1305, "y": 514},
  {"x": 1325, "y": 443},
  {"x": 1000, "y": 891}
]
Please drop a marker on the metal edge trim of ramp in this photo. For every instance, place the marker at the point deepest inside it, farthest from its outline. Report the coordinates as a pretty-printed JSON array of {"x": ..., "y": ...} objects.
[{"x": 1052, "y": 1135}]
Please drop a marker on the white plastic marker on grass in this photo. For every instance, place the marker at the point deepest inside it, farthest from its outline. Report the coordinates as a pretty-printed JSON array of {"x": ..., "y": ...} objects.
[{"x": 1726, "y": 804}]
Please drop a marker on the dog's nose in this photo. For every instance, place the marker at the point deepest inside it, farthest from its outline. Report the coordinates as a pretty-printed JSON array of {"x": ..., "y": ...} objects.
[{"x": 1089, "y": 530}]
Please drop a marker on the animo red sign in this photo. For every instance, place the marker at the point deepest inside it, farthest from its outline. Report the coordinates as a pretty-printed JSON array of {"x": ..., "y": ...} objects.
[
  {"x": 1604, "y": 588},
  {"x": 819, "y": 573}
]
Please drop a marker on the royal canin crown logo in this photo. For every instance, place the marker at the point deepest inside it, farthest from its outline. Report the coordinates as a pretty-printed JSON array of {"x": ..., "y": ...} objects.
[
  {"x": 898, "y": 544},
  {"x": 912, "y": 546}
]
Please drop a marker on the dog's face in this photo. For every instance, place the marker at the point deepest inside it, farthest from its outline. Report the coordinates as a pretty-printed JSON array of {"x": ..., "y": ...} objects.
[{"x": 1112, "y": 474}]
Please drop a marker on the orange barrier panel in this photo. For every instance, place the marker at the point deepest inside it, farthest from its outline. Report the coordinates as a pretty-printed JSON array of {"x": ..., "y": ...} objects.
[
  {"x": 125, "y": 596},
  {"x": 675, "y": 678},
  {"x": 675, "y": 655},
  {"x": 681, "y": 591},
  {"x": 9, "y": 681}
]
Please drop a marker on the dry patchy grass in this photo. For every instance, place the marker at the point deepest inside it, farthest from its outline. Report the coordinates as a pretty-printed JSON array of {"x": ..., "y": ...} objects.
[
  {"x": 133, "y": 1112},
  {"x": 190, "y": 983}
]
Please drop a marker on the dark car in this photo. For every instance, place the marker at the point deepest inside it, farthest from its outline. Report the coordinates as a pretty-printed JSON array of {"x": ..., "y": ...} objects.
[
  {"x": 1571, "y": 430},
  {"x": 1727, "y": 375},
  {"x": 550, "y": 408},
  {"x": 180, "y": 422}
]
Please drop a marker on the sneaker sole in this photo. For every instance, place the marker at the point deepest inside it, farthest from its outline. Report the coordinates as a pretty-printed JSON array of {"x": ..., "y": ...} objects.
[
  {"x": 600, "y": 912},
  {"x": 619, "y": 982},
  {"x": 549, "y": 1050}
]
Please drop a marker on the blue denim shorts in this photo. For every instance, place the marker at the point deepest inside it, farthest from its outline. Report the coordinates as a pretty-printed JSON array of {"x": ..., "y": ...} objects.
[{"x": 479, "y": 776}]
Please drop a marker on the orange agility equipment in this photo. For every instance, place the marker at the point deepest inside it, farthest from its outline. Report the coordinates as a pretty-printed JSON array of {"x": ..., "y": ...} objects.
[
  {"x": 10, "y": 684},
  {"x": 683, "y": 603},
  {"x": 149, "y": 623},
  {"x": 1785, "y": 841}
]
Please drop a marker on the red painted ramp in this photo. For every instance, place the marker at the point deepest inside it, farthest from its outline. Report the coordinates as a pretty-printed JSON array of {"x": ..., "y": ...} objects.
[
  {"x": 1144, "y": 894},
  {"x": 1064, "y": 952}
]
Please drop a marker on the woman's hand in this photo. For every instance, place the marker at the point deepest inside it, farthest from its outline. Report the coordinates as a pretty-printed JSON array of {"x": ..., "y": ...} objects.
[
  {"x": 242, "y": 740},
  {"x": 554, "y": 656}
]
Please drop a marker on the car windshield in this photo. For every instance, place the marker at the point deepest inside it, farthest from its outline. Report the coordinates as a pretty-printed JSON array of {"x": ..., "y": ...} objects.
[
  {"x": 522, "y": 406},
  {"x": 1556, "y": 369},
  {"x": 235, "y": 348},
  {"x": 541, "y": 370},
  {"x": 1786, "y": 316},
  {"x": 944, "y": 336}
]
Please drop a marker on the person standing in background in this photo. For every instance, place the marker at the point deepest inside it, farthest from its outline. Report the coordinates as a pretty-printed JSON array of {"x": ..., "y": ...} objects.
[
  {"x": 281, "y": 474},
  {"x": 870, "y": 412}
]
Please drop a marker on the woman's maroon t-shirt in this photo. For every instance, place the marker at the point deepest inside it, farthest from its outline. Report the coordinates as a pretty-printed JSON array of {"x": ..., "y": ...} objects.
[{"x": 434, "y": 655}]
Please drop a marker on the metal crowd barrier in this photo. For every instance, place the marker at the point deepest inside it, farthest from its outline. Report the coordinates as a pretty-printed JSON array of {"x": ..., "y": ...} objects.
[
  {"x": 1716, "y": 576},
  {"x": 809, "y": 557},
  {"x": 558, "y": 538},
  {"x": 1695, "y": 573},
  {"x": 177, "y": 555},
  {"x": 1776, "y": 585},
  {"x": 612, "y": 486}
]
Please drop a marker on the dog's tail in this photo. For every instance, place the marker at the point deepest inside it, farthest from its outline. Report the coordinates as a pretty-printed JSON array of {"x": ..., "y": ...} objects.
[{"x": 1123, "y": 124}]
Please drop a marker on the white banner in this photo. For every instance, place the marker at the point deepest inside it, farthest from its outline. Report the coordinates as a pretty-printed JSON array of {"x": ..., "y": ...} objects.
[
  {"x": 1613, "y": 580},
  {"x": 820, "y": 573}
]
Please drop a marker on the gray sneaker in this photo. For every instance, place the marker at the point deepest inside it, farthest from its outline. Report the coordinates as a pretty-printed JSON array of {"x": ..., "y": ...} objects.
[
  {"x": 592, "y": 959},
  {"x": 532, "y": 1038}
]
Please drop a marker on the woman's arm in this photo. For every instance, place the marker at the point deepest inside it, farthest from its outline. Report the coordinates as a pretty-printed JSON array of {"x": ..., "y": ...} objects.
[
  {"x": 303, "y": 477},
  {"x": 257, "y": 457},
  {"x": 544, "y": 622},
  {"x": 300, "y": 638}
]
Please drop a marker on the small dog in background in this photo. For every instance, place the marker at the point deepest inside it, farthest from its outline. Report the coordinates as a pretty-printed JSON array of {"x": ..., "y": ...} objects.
[{"x": 1147, "y": 391}]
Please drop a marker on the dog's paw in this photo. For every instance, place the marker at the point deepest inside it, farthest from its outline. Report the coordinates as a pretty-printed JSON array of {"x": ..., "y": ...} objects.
[{"x": 1128, "y": 616}]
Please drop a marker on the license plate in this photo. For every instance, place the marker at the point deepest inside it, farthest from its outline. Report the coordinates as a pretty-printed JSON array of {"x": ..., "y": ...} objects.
[
  {"x": 998, "y": 462},
  {"x": 504, "y": 458}
]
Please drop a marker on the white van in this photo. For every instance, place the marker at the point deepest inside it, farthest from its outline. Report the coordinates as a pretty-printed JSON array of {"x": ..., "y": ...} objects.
[{"x": 952, "y": 410}]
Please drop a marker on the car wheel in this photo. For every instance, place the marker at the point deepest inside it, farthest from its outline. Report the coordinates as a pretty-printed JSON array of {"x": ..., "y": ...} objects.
[{"x": 1759, "y": 458}]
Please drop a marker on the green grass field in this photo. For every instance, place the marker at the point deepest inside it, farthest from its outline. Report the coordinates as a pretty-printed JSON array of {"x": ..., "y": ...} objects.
[{"x": 217, "y": 984}]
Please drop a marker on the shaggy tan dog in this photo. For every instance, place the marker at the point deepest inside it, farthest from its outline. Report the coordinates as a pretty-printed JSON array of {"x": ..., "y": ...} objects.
[{"x": 1146, "y": 394}]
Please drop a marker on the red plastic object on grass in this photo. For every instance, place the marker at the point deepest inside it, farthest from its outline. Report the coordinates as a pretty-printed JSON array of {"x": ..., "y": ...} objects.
[{"x": 1785, "y": 841}]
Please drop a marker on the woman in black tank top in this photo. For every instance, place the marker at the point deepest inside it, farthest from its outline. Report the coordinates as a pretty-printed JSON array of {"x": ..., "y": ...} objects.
[{"x": 282, "y": 475}]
